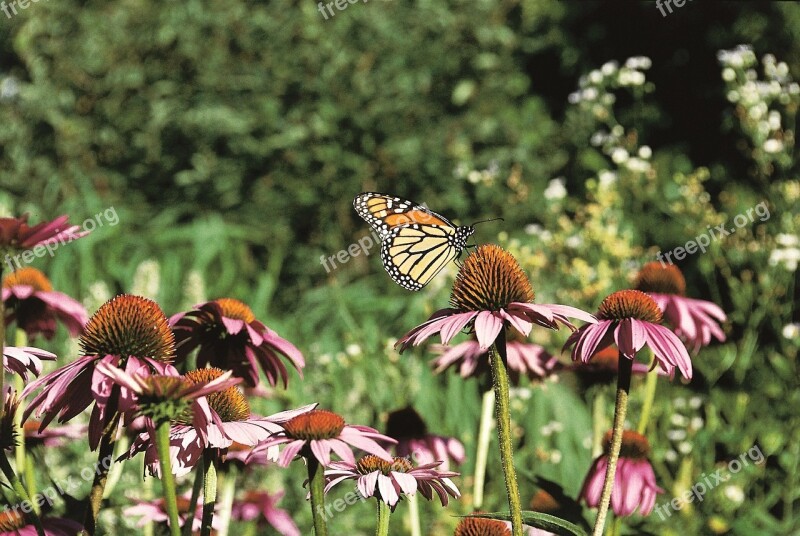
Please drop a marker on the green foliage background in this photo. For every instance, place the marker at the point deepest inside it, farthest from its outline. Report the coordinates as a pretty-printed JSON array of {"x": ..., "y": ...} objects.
[{"x": 230, "y": 138}]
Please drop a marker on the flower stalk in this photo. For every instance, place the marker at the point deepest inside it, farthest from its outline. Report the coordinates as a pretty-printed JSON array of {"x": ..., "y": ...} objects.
[
  {"x": 19, "y": 489},
  {"x": 105, "y": 452},
  {"x": 21, "y": 339},
  {"x": 502, "y": 408},
  {"x": 649, "y": 397},
  {"x": 484, "y": 437},
  {"x": 199, "y": 476},
  {"x": 382, "y": 528},
  {"x": 413, "y": 516},
  {"x": 226, "y": 500},
  {"x": 620, "y": 410},
  {"x": 209, "y": 491},
  {"x": 167, "y": 478},
  {"x": 316, "y": 480},
  {"x": 2, "y": 347}
]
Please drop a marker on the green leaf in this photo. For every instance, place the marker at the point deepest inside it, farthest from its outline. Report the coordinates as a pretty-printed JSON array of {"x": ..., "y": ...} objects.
[{"x": 538, "y": 520}]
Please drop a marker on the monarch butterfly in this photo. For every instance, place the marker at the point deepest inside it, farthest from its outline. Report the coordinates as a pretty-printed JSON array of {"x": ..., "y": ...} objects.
[{"x": 416, "y": 243}]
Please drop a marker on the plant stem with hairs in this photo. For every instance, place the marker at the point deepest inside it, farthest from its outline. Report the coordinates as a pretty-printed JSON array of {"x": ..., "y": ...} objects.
[
  {"x": 497, "y": 356},
  {"x": 620, "y": 410},
  {"x": 168, "y": 479},
  {"x": 199, "y": 475},
  {"x": 316, "y": 483},
  {"x": 382, "y": 528},
  {"x": 105, "y": 452},
  {"x": 209, "y": 490}
]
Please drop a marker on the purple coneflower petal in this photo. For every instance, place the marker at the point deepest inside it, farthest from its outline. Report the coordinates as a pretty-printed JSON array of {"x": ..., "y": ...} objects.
[{"x": 487, "y": 328}]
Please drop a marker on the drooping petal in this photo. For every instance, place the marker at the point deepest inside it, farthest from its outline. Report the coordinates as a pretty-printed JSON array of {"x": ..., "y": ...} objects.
[{"x": 487, "y": 328}]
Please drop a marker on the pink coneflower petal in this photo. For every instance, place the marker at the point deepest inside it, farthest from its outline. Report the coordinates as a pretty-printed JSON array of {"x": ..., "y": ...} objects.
[
  {"x": 630, "y": 337},
  {"x": 487, "y": 328},
  {"x": 388, "y": 480},
  {"x": 229, "y": 337},
  {"x": 452, "y": 326},
  {"x": 519, "y": 323},
  {"x": 634, "y": 481}
]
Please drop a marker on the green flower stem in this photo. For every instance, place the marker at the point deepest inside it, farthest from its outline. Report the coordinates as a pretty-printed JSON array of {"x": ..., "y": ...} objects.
[
  {"x": 121, "y": 446},
  {"x": 649, "y": 397},
  {"x": 484, "y": 437},
  {"x": 382, "y": 528},
  {"x": 2, "y": 350},
  {"x": 19, "y": 489},
  {"x": 497, "y": 356},
  {"x": 168, "y": 479},
  {"x": 21, "y": 339},
  {"x": 30, "y": 479},
  {"x": 621, "y": 408},
  {"x": 105, "y": 452},
  {"x": 209, "y": 490},
  {"x": 598, "y": 420},
  {"x": 413, "y": 515},
  {"x": 199, "y": 475},
  {"x": 316, "y": 479},
  {"x": 147, "y": 494},
  {"x": 226, "y": 499}
]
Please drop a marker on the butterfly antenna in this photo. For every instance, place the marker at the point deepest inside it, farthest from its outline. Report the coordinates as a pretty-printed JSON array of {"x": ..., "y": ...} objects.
[{"x": 484, "y": 221}]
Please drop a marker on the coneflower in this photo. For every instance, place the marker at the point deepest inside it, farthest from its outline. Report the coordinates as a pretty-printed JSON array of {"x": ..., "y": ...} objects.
[
  {"x": 230, "y": 337},
  {"x": 491, "y": 294},
  {"x": 127, "y": 332},
  {"x": 630, "y": 319}
]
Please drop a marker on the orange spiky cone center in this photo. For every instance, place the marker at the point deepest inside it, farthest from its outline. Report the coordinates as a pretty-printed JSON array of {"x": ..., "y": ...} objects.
[
  {"x": 661, "y": 279},
  {"x": 490, "y": 279},
  {"x": 30, "y": 277},
  {"x": 625, "y": 304},
  {"x": 128, "y": 326},
  {"x": 315, "y": 424}
]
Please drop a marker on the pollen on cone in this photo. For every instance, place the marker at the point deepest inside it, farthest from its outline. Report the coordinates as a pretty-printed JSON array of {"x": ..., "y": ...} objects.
[
  {"x": 661, "y": 279},
  {"x": 30, "y": 277},
  {"x": 129, "y": 326},
  {"x": 489, "y": 280},
  {"x": 230, "y": 404},
  {"x": 626, "y": 304}
]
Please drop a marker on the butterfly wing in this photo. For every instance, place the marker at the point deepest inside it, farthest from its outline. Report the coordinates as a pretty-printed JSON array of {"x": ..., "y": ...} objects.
[
  {"x": 413, "y": 254},
  {"x": 416, "y": 243},
  {"x": 385, "y": 212}
]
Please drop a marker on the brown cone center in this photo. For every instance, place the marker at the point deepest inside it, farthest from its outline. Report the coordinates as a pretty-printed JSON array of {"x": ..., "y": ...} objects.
[
  {"x": 316, "y": 424},
  {"x": 634, "y": 445},
  {"x": 480, "y": 526},
  {"x": 230, "y": 404},
  {"x": 490, "y": 279},
  {"x": 625, "y": 304},
  {"x": 235, "y": 309},
  {"x": 661, "y": 279},
  {"x": 129, "y": 326},
  {"x": 30, "y": 277}
]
